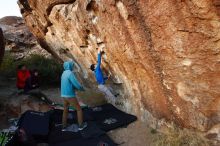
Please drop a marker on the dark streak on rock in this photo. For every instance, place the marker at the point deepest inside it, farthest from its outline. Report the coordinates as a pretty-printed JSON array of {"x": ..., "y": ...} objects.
[{"x": 2, "y": 45}]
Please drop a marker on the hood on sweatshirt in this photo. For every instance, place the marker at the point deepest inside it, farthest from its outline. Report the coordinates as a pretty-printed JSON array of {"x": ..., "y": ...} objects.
[{"x": 68, "y": 65}]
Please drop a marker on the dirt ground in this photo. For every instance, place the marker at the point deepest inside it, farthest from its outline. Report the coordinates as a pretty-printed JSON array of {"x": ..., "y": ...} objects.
[{"x": 136, "y": 134}]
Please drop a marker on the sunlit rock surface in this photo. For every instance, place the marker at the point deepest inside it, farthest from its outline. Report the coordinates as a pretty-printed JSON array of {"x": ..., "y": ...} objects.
[{"x": 164, "y": 52}]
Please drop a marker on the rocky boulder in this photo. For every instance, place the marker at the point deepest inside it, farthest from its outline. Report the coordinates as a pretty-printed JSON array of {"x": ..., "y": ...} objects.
[
  {"x": 165, "y": 54},
  {"x": 19, "y": 40}
]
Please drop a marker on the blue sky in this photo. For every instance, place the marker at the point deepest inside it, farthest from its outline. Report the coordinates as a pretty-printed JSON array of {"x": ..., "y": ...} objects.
[{"x": 9, "y": 8}]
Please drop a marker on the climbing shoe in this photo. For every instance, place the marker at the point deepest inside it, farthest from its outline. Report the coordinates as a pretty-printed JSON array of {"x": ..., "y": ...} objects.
[
  {"x": 82, "y": 126},
  {"x": 116, "y": 95},
  {"x": 65, "y": 129},
  {"x": 71, "y": 128}
]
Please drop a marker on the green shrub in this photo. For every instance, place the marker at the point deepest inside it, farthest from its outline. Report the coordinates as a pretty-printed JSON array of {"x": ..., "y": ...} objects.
[
  {"x": 8, "y": 66},
  {"x": 49, "y": 69}
]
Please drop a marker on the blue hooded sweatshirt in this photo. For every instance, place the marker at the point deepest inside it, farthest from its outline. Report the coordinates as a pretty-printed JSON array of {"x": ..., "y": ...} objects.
[
  {"x": 98, "y": 72},
  {"x": 69, "y": 83}
]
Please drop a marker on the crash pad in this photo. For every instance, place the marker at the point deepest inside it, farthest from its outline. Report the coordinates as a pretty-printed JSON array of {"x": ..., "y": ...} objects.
[
  {"x": 47, "y": 127},
  {"x": 35, "y": 124},
  {"x": 56, "y": 116},
  {"x": 103, "y": 140},
  {"x": 108, "y": 117}
]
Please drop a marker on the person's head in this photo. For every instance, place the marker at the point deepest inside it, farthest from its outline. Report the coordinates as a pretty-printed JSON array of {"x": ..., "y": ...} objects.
[
  {"x": 68, "y": 65},
  {"x": 22, "y": 67},
  {"x": 92, "y": 67}
]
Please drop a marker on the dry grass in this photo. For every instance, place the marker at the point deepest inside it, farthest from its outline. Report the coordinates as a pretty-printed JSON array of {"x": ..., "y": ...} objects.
[{"x": 181, "y": 137}]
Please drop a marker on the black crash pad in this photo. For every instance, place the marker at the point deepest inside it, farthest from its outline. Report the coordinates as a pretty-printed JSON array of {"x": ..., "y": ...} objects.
[
  {"x": 46, "y": 127},
  {"x": 35, "y": 124},
  {"x": 56, "y": 116},
  {"x": 108, "y": 117},
  {"x": 58, "y": 136},
  {"x": 103, "y": 140},
  {"x": 92, "y": 131}
]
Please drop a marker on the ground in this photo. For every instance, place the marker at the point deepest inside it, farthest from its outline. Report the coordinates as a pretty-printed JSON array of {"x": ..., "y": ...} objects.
[{"x": 136, "y": 134}]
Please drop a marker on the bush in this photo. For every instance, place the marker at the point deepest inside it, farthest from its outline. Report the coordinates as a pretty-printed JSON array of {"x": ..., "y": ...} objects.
[
  {"x": 8, "y": 66},
  {"x": 49, "y": 69}
]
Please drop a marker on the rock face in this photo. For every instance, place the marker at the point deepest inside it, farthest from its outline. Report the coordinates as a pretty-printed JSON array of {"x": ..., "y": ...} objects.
[
  {"x": 2, "y": 45},
  {"x": 19, "y": 40},
  {"x": 165, "y": 53}
]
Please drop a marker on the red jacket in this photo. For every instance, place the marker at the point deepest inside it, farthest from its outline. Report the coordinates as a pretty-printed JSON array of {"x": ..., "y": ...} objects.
[{"x": 22, "y": 76}]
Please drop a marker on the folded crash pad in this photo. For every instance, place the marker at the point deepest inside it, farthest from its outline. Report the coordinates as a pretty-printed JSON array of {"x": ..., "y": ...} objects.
[{"x": 35, "y": 124}]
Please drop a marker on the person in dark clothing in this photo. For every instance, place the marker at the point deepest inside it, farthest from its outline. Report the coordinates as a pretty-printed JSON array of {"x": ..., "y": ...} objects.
[
  {"x": 32, "y": 82},
  {"x": 32, "y": 87}
]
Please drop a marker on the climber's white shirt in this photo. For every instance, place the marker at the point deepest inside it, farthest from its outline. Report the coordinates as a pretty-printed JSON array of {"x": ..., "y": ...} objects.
[{"x": 108, "y": 94}]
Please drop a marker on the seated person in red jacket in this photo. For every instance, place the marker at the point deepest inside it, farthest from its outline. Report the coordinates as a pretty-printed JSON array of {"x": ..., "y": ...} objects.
[
  {"x": 22, "y": 74},
  {"x": 32, "y": 82}
]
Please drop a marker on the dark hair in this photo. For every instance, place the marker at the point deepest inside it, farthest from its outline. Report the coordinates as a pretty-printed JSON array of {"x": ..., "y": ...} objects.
[
  {"x": 20, "y": 66},
  {"x": 92, "y": 67}
]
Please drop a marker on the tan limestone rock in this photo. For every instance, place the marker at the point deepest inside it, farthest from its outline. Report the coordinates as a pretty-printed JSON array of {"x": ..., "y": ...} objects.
[{"x": 165, "y": 53}]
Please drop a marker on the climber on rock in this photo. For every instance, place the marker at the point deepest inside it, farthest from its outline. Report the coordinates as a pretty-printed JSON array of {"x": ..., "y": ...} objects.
[
  {"x": 96, "y": 68},
  {"x": 69, "y": 84}
]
